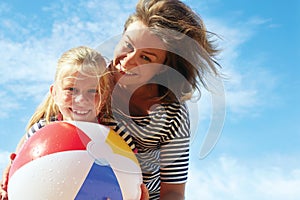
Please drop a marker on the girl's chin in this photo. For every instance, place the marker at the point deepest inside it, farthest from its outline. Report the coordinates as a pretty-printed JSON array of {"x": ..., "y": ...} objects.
[{"x": 85, "y": 120}]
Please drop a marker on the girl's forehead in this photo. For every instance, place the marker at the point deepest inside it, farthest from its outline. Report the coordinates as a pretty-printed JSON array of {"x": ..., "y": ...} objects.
[
  {"x": 79, "y": 79},
  {"x": 80, "y": 71},
  {"x": 77, "y": 76}
]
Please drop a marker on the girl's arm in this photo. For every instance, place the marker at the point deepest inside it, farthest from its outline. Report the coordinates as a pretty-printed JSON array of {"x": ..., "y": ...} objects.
[{"x": 5, "y": 174}]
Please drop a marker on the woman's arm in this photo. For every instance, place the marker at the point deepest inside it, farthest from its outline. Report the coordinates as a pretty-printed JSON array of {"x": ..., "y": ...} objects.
[{"x": 172, "y": 191}]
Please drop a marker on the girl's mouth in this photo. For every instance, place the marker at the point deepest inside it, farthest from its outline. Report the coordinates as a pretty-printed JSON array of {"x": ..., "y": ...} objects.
[{"x": 80, "y": 112}]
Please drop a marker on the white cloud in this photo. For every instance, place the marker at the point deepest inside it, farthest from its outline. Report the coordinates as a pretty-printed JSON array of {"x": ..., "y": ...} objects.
[
  {"x": 249, "y": 84},
  {"x": 7, "y": 103},
  {"x": 230, "y": 178}
]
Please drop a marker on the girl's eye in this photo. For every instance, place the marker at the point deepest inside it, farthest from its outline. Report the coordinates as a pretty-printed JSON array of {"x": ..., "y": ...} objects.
[
  {"x": 71, "y": 90},
  {"x": 93, "y": 91}
]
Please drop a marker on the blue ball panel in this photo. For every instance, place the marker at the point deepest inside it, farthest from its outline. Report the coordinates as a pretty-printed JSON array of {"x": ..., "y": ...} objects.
[{"x": 100, "y": 184}]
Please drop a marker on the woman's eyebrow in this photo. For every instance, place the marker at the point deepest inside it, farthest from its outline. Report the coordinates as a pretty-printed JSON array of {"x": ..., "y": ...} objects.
[
  {"x": 144, "y": 51},
  {"x": 129, "y": 39},
  {"x": 150, "y": 53}
]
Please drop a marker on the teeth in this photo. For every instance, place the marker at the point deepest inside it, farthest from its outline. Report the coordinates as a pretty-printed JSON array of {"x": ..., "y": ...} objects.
[
  {"x": 129, "y": 73},
  {"x": 120, "y": 67},
  {"x": 80, "y": 112},
  {"x": 122, "y": 70}
]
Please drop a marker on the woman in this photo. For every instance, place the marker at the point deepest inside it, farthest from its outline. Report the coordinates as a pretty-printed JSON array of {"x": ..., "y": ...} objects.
[{"x": 163, "y": 56}]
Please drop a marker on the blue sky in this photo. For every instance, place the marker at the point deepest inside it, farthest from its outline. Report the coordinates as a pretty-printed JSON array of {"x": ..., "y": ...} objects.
[{"x": 257, "y": 154}]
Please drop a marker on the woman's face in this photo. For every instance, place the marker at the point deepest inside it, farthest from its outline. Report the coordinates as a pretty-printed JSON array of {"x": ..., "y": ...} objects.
[
  {"x": 138, "y": 56},
  {"x": 77, "y": 97}
]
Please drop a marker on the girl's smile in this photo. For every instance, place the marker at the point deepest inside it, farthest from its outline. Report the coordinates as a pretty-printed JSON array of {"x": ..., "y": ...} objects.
[{"x": 76, "y": 97}]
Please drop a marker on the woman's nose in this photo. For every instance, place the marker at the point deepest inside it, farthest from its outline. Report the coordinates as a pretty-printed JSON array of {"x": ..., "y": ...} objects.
[{"x": 130, "y": 60}]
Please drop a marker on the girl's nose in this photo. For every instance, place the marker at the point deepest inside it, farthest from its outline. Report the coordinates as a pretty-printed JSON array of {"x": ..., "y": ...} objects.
[{"x": 80, "y": 98}]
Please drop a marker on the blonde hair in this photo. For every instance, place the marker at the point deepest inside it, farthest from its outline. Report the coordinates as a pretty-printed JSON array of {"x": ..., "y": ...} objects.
[
  {"x": 86, "y": 61},
  {"x": 190, "y": 49}
]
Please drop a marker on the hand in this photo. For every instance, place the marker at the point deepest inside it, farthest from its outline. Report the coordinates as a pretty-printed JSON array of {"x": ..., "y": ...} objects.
[
  {"x": 3, "y": 194},
  {"x": 4, "y": 182},
  {"x": 145, "y": 192}
]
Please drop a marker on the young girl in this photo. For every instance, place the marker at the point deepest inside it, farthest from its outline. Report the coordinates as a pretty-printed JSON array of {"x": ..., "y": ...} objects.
[
  {"x": 81, "y": 91},
  {"x": 164, "y": 55}
]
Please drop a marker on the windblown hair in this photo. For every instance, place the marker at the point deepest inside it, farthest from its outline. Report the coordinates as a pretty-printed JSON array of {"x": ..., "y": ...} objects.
[{"x": 190, "y": 47}]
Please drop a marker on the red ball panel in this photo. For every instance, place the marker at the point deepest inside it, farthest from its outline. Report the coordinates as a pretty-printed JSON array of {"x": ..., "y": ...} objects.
[{"x": 53, "y": 138}]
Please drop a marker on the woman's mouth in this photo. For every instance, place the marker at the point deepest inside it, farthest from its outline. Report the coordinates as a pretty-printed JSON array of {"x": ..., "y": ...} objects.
[{"x": 124, "y": 71}]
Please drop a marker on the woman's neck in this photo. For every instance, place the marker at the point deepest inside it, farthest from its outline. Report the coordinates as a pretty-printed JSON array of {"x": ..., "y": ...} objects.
[{"x": 139, "y": 102}]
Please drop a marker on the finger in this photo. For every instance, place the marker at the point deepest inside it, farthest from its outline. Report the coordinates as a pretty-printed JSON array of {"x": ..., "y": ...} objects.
[
  {"x": 3, "y": 195},
  {"x": 145, "y": 192}
]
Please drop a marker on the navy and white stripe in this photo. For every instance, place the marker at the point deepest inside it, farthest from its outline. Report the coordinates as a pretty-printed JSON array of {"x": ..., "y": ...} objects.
[
  {"x": 162, "y": 140},
  {"x": 40, "y": 124}
]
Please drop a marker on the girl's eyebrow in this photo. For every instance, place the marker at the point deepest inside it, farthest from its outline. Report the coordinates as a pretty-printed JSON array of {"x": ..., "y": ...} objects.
[{"x": 144, "y": 51}]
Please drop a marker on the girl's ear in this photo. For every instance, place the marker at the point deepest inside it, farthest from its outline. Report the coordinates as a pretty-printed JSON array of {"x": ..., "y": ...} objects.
[{"x": 52, "y": 91}]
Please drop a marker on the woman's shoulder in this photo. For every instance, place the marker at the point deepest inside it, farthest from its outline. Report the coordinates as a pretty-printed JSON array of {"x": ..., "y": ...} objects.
[
  {"x": 174, "y": 108},
  {"x": 177, "y": 117}
]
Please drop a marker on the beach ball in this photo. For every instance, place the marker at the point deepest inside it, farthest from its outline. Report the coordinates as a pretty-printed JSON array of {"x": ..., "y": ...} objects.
[{"x": 75, "y": 160}]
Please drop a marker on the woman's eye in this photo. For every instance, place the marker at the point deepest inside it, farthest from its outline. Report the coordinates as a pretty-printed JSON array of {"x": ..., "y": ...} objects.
[
  {"x": 146, "y": 58},
  {"x": 128, "y": 45}
]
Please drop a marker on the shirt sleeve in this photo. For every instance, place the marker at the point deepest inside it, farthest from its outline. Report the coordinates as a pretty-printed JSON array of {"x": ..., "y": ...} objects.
[
  {"x": 174, "y": 155},
  {"x": 37, "y": 126}
]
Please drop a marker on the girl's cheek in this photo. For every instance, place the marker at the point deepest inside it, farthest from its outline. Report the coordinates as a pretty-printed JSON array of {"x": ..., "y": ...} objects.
[{"x": 66, "y": 98}]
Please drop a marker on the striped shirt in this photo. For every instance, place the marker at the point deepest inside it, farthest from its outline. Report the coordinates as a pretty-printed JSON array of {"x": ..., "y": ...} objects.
[{"x": 162, "y": 140}]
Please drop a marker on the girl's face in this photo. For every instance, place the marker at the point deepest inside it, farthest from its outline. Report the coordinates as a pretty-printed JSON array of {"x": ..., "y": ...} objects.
[
  {"x": 77, "y": 97},
  {"x": 137, "y": 48}
]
